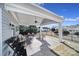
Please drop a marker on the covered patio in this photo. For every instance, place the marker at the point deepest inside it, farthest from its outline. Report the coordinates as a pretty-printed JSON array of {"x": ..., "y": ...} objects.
[
  {"x": 30, "y": 14},
  {"x": 27, "y": 14}
]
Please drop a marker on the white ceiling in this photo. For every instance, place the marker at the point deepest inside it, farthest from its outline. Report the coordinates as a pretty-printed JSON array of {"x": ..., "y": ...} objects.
[{"x": 25, "y": 19}]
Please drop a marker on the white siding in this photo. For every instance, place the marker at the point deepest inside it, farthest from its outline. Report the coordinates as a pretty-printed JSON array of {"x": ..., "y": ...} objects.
[
  {"x": 6, "y": 33},
  {"x": 0, "y": 31}
]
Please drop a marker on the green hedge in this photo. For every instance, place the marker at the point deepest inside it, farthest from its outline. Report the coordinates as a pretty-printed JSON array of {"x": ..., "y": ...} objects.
[
  {"x": 29, "y": 29},
  {"x": 76, "y": 33}
]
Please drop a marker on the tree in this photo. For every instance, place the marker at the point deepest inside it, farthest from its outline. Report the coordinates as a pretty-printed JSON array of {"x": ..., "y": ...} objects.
[
  {"x": 29, "y": 29},
  {"x": 22, "y": 29},
  {"x": 32, "y": 29}
]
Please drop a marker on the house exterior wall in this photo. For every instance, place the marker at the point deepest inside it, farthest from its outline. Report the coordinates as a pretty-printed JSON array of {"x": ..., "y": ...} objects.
[
  {"x": 6, "y": 33},
  {"x": 0, "y": 31}
]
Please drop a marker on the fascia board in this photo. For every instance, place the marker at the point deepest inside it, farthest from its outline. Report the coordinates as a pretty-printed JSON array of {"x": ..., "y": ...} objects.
[{"x": 46, "y": 10}]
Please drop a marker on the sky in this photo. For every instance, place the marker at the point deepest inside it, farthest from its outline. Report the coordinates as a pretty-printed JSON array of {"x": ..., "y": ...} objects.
[{"x": 70, "y": 11}]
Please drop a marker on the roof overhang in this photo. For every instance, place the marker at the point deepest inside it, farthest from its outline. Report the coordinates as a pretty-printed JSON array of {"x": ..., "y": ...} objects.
[{"x": 23, "y": 10}]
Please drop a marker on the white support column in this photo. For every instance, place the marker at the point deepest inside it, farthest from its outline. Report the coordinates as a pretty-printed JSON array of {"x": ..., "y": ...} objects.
[
  {"x": 60, "y": 32},
  {"x": 40, "y": 34}
]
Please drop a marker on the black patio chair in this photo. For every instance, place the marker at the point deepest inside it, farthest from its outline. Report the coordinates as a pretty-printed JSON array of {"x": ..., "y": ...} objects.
[{"x": 19, "y": 50}]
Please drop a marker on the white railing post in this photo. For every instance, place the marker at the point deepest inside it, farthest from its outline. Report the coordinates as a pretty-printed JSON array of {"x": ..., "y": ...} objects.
[
  {"x": 60, "y": 32},
  {"x": 40, "y": 34}
]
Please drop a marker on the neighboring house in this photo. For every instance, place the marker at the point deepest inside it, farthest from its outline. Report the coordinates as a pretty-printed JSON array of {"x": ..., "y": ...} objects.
[{"x": 72, "y": 29}]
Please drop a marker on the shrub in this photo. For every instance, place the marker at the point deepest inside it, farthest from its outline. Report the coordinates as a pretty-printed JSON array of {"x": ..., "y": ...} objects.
[
  {"x": 22, "y": 29},
  {"x": 65, "y": 32},
  {"x": 29, "y": 29},
  {"x": 56, "y": 31},
  {"x": 53, "y": 29},
  {"x": 76, "y": 33},
  {"x": 32, "y": 29}
]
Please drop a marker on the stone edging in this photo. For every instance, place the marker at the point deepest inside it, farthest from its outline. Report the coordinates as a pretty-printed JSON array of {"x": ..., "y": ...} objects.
[{"x": 70, "y": 47}]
